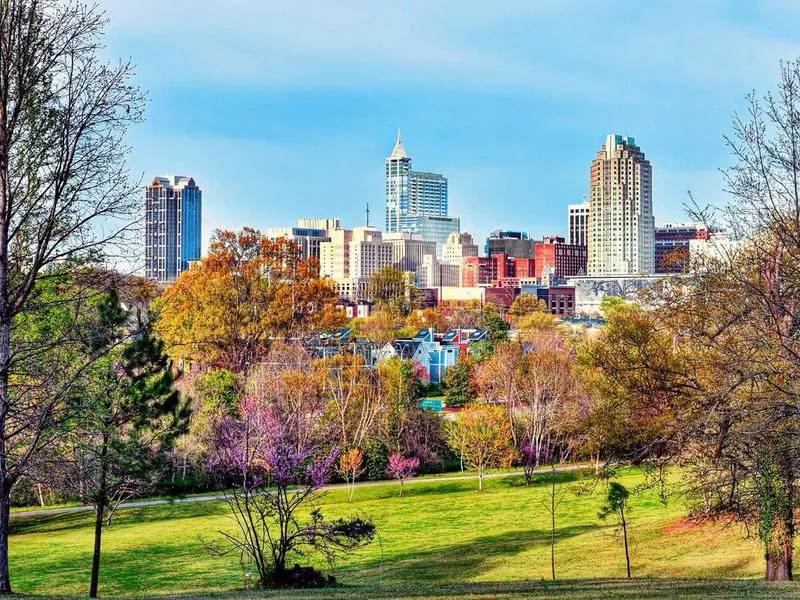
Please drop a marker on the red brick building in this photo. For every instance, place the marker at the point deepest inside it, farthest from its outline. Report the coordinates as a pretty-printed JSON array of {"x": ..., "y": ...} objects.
[
  {"x": 672, "y": 245},
  {"x": 476, "y": 270},
  {"x": 497, "y": 270},
  {"x": 559, "y": 299},
  {"x": 567, "y": 260}
]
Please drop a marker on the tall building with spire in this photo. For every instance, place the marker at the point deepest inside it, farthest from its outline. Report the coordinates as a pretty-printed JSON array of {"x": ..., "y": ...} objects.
[
  {"x": 621, "y": 229},
  {"x": 416, "y": 201},
  {"x": 398, "y": 175},
  {"x": 173, "y": 212}
]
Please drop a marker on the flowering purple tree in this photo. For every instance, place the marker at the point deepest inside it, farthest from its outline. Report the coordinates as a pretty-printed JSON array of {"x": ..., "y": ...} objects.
[
  {"x": 401, "y": 468},
  {"x": 530, "y": 460},
  {"x": 276, "y": 468}
]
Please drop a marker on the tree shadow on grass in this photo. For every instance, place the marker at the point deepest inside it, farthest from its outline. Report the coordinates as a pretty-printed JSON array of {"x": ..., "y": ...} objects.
[
  {"x": 130, "y": 570},
  {"x": 490, "y": 484},
  {"x": 539, "y": 479},
  {"x": 463, "y": 561},
  {"x": 50, "y": 523},
  {"x": 444, "y": 571}
]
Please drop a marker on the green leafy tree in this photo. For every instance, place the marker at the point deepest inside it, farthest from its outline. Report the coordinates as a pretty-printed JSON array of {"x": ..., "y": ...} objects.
[
  {"x": 459, "y": 384},
  {"x": 524, "y": 305},
  {"x": 496, "y": 326},
  {"x": 128, "y": 416},
  {"x": 213, "y": 393},
  {"x": 482, "y": 437},
  {"x": 400, "y": 391}
]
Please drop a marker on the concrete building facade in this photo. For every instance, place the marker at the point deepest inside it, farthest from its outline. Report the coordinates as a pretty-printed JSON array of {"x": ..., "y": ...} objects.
[
  {"x": 457, "y": 247},
  {"x": 516, "y": 244},
  {"x": 621, "y": 229},
  {"x": 307, "y": 239},
  {"x": 577, "y": 223}
]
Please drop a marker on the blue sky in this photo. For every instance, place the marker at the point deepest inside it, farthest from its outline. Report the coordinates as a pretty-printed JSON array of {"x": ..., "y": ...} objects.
[{"x": 289, "y": 109}]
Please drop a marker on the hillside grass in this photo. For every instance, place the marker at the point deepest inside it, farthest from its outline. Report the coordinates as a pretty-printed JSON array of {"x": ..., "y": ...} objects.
[{"x": 443, "y": 538}]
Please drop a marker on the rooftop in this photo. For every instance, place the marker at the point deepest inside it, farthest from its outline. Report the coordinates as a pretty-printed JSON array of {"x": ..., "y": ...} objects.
[
  {"x": 174, "y": 181},
  {"x": 399, "y": 152}
]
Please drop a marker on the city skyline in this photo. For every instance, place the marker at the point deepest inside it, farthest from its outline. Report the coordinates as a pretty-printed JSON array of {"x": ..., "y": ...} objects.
[{"x": 511, "y": 108}]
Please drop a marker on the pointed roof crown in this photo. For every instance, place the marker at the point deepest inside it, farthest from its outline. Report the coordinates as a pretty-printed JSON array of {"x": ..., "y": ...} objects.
[{"x": 399, "y": 152}]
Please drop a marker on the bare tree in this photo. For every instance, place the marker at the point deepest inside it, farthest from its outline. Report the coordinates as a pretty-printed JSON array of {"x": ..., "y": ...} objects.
[
  {"x": 65, "y": 200},
  {"x": 536, "y": 384},
  {"x": 708, "y": 379},
  {"x": 350, "y": 389},
  {"x": 753, "y": 298}
]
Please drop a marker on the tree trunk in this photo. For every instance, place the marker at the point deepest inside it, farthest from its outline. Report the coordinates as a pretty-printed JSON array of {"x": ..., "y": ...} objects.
[
  {"x": 98, "y": 536},
  {"x": 480, "y": 480},
  {"x": 41, "y": 495},
  {"x": 100, "y": 509},
  {"x": 779, "y": 561},
  {"x": 5, "y": 516},
  {"x": 779, "y": 565},
  {"x": 625, "y": 539},
  {"x": 553, "y": 523},
  {"x": 5, "y": 481},
  {"x": 280, "y": 570}
]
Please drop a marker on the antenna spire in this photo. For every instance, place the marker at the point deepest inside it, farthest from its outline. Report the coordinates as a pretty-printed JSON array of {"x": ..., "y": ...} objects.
[{"x": 367, "y": 214}]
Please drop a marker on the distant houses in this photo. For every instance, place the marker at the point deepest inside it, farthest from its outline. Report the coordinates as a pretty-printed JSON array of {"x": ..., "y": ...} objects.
[{"x": 431, "y": 352}]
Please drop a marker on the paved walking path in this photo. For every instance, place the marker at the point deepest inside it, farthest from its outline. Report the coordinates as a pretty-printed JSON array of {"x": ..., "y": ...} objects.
[{"x": 335, "y": 486}]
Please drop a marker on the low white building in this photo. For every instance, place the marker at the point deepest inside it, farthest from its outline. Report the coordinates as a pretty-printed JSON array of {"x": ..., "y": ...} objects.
[
  {"x": 718, "y": 247},
  {"x": 590, "y": 291}
]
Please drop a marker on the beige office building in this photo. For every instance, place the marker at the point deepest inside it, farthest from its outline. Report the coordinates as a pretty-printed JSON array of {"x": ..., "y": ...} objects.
[
  {"x": 458, "y": 246},
  {"x": 621, "y": 229}
]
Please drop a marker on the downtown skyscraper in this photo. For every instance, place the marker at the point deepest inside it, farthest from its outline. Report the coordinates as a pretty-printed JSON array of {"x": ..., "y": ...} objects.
[
  {"x": 416, "y": 201},
  {"x": 621, "y": 228},
  {"x": 173, "y": 214}
]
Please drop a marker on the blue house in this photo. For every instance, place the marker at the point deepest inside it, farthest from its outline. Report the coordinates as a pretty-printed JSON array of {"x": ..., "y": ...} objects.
[{"x": 435, "y": 352}]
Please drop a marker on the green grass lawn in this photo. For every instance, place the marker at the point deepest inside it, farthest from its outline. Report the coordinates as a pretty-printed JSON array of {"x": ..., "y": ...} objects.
[{"x": 491, "y": 544}]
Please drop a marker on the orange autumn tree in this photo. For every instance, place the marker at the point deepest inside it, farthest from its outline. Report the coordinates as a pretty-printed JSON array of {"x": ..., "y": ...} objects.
[{"x": 248, "y": 292}]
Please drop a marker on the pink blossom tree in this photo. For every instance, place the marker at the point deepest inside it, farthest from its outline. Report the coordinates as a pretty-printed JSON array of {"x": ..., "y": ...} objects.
[
  {"x": 420, "y": 372},
  {"x": 276, "y": 468},
  {"x": 401, "y": 468}
]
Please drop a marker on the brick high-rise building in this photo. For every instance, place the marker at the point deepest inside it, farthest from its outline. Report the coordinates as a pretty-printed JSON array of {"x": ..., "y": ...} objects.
[
  {"x": 173, "y": 212},
  {"x": 565, "y": 260},
  {"x": 621, "y": 226}
]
